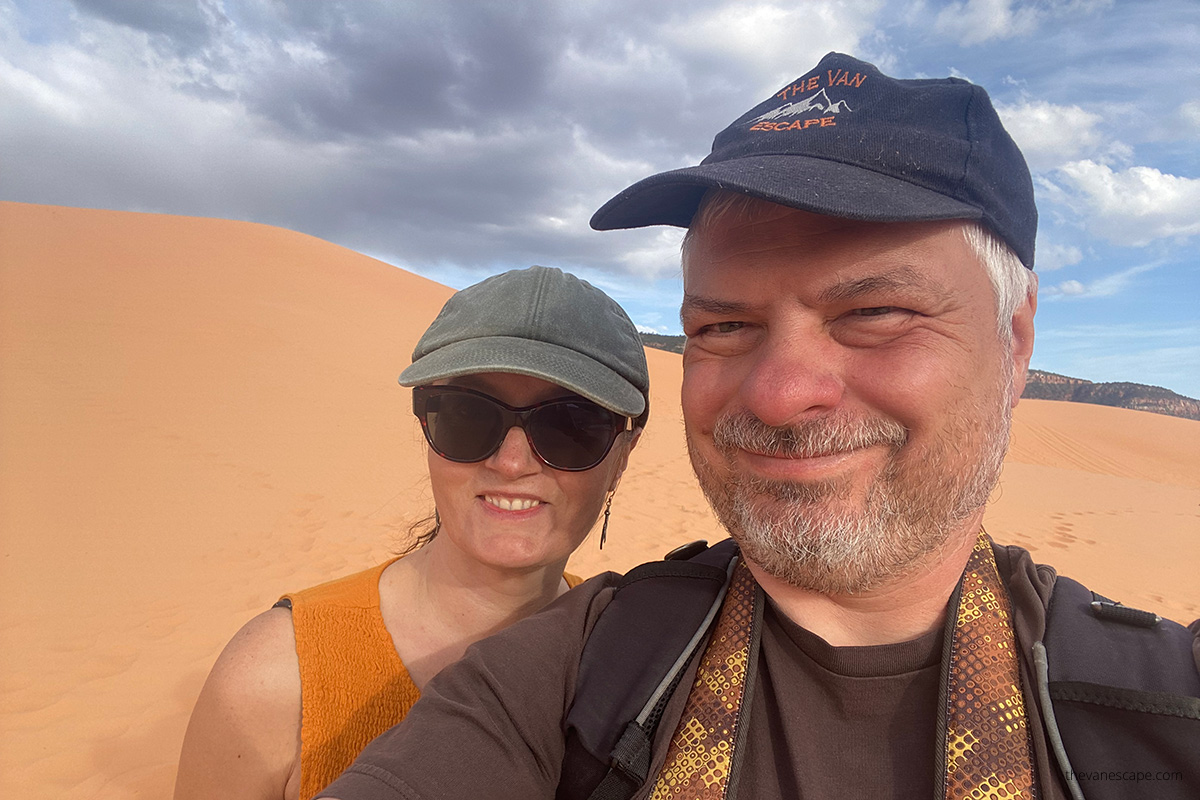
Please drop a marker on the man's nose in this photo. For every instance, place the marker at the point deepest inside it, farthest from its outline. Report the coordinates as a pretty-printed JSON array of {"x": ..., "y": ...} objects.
[
  {"x": 796, "y": 374},
  {"x": 515, "y": 457}
]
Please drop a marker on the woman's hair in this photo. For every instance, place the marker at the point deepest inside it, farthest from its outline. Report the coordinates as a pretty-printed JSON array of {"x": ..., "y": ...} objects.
[{"x": 421, "y": 533}]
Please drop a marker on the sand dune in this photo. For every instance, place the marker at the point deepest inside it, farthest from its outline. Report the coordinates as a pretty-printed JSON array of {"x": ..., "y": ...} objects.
[{"x": 198, "y": 415}]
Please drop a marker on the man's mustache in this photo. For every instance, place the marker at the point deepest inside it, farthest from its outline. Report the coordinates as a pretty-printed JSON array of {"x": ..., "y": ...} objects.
[{"x": 822, "y": 436}]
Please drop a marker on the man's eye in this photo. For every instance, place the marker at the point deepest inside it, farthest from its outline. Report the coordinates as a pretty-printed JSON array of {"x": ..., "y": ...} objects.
[
  {"x": 725, "y": 327},
  {"x": 876, "y": 311}
]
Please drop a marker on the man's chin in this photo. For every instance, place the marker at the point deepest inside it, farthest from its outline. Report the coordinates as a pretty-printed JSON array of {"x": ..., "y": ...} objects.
[
  {"x": 831, "y": 545},
  {"x": 833, "y": 570},
  {"x": 811, "y": 573}
]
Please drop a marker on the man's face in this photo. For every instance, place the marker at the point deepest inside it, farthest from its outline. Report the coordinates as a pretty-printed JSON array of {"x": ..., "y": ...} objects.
[{"x": 846, "y": 396}]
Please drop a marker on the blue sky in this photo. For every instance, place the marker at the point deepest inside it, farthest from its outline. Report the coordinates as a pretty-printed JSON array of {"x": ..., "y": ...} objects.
[{"x": 458, "y": 138}]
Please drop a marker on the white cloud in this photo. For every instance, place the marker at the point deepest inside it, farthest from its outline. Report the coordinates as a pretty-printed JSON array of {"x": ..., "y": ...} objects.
[
  {"x": 1134, "y": 206},
  {"x": 1050, "y": 134},
  {"x": 16, "y": 82},
  {"x": 658, "y": 254},
  {"x": 1107, "y": 286},
  {"x": 771, "y": 39},
  {"x": 976, "y": 21},
  {"x": 1056, "y": 256},
  {"x": 1067, "y": 288},
  {"x": 1189, "y": 113}
]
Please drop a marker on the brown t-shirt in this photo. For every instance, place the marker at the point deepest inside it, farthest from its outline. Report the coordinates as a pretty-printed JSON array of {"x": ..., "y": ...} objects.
[
  {"x": 841, "y": 721},
  {"x": 826, "y": 722}
]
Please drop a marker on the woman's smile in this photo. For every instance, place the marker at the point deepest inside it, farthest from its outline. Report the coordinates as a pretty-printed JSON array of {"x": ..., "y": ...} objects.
[{"x": 511, "y": 503}]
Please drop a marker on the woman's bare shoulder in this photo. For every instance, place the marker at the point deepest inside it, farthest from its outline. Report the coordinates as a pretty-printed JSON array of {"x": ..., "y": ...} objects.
[
  {"x": 261, "y": 659},
  {"x": 243, "y": 740}
]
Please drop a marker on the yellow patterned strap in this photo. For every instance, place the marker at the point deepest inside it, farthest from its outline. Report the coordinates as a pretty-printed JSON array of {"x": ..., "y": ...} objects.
[
  {"x": 700, "y": 755},
  {"x": 987, "y": 751}
]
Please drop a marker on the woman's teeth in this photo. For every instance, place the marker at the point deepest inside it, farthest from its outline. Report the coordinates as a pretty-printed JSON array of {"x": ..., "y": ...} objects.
[{"x": 512, "y": 503}]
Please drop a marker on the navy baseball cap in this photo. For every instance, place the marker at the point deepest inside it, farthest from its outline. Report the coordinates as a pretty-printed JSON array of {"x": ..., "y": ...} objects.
[{"x": 845, "y": 140}]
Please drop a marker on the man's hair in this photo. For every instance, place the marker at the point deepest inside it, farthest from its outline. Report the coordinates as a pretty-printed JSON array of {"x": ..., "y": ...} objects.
[{"x": 1012, "y": 283}]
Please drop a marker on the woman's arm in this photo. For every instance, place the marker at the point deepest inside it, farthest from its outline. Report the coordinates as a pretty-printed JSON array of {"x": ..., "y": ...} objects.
[{"x": 243, "y": 740}]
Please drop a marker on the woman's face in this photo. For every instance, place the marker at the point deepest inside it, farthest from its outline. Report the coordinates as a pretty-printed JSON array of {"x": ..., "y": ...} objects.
[{"x": 511, "y": 510}]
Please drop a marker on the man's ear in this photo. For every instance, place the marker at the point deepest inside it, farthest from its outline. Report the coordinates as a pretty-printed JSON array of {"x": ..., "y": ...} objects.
[{"x": 1022, "y": 338}]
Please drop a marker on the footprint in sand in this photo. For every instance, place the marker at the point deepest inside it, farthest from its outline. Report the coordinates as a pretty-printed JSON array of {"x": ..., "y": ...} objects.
[{"x": 1063, "y": 536}]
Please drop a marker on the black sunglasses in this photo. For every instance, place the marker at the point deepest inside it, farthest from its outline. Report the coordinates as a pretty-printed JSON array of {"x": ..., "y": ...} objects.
[{"x": 567, "y": 433}]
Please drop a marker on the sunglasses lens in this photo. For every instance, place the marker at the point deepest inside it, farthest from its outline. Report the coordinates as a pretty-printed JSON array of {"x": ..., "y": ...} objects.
[
  {"x": 572, "y": 436},
  {"x": 463, "y": 427},
  {"x": 466, "y": 426}
]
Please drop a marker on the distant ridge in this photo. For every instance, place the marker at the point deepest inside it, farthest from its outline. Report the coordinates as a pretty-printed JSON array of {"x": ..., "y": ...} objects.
[
  {"x": 1042, "y": 385},
  {"x": 672, "y": 344}
]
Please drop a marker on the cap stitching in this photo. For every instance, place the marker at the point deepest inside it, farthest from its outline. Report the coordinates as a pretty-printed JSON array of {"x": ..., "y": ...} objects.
[
  {"x": 971, "y": 144},
  {"x": 534, "y": 316}
]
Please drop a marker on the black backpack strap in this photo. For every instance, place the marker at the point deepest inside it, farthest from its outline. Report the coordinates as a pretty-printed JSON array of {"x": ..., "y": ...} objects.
[
  {"x": 633, "y": 660},
  {"x": 1120, "y": 695}
]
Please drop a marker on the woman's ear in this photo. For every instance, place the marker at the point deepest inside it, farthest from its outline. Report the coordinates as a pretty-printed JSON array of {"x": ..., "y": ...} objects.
[{"x": 626, "y": 448}]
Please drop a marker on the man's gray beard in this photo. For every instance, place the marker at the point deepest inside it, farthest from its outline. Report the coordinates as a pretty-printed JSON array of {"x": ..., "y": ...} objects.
[{"x": 797, "y": 533}]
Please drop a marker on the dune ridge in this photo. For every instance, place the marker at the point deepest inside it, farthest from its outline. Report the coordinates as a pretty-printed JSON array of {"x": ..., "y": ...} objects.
[{"x": 198, "y": 415}]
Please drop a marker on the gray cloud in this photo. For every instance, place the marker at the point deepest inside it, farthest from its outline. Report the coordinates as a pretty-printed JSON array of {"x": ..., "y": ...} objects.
[
  {"x": 457, "y": 138},
  {"x": 456, "y": 133},
  {"x": 183, "y": 28}
]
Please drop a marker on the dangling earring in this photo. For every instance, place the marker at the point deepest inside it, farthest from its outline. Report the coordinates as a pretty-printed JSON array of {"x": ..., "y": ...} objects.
[
  {"x": 607, "y": 511},
  {"x": 437, "y": 523}
]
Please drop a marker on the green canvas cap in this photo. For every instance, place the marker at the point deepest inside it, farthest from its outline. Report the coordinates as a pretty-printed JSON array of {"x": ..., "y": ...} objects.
[{"x": 541, "y": 322}]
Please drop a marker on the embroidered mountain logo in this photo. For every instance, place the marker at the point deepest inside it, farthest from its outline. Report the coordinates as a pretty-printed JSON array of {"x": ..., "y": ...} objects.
[{"x": 823, "y": 113}]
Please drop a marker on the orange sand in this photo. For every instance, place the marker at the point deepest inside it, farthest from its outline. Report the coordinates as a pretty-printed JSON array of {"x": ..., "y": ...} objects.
[{"x": 197, "y": 415}]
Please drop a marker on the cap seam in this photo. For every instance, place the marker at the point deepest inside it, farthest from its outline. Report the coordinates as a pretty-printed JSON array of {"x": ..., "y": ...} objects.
[
  {"x": 533, "y": 317},
  {"x": 971, "y": 144}
]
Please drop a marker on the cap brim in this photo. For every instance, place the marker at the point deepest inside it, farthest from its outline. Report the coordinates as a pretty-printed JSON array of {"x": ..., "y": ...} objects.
[
  {"x": 811, "y": 184},
  {"x": 550, "y": 362}
]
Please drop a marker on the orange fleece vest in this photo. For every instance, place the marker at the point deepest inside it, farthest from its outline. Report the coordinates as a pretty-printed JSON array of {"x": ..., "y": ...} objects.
[{"x": 353, "y": 685}]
